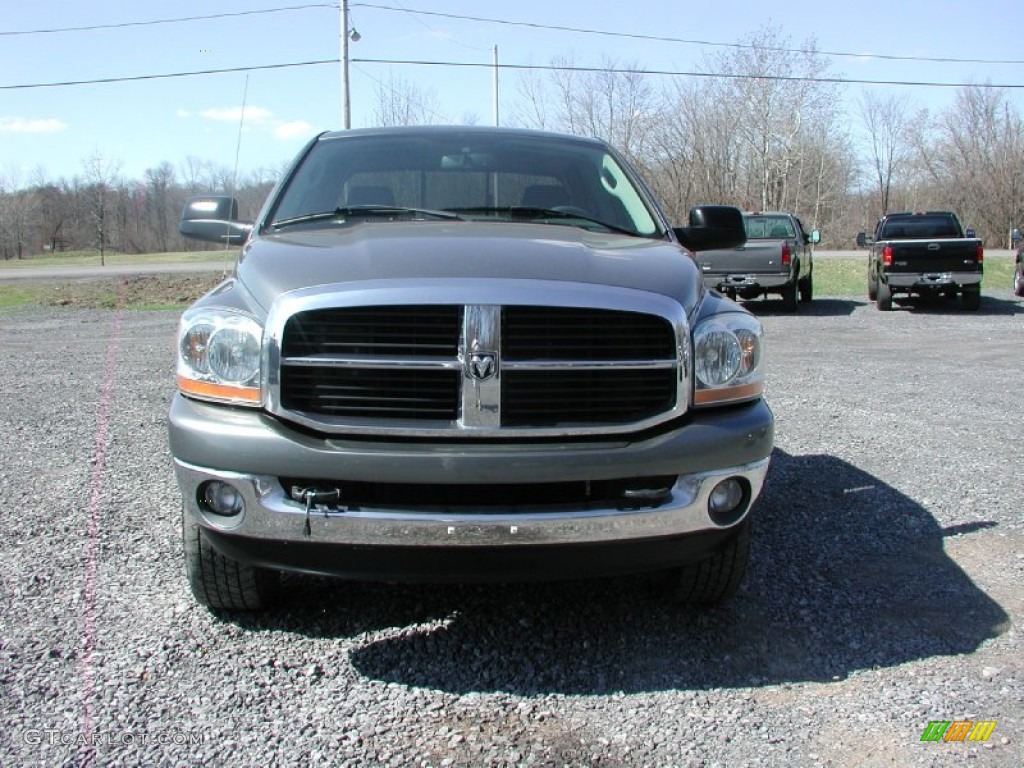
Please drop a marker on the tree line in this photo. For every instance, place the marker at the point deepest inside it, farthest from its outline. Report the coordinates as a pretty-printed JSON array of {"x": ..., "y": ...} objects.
[{"x": 767, "y": 132}]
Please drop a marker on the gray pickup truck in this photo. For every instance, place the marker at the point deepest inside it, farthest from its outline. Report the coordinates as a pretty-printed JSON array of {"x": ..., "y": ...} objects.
[
  {"x": 924, "y": 254},
  {"x": 458, "y": 354},
  {"x": 777, "y": 258}
]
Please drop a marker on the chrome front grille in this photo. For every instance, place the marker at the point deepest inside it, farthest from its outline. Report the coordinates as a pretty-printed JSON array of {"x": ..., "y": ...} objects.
[{"x": 482, "y": 369}]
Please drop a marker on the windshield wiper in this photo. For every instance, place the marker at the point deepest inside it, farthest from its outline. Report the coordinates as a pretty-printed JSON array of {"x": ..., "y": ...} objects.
[
  {"x": 532, "y": 214},
  {"x": 358, "y": 211}
]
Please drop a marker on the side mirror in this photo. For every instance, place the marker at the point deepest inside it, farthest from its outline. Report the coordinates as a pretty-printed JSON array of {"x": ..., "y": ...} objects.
[
  {"x": 213, "y": 219},
  {"x": 815, "y": 237},
  {"x": 969, "y": 232},
  {"x": 711, "y": 227},
  {"x": 862, "y": 239}
]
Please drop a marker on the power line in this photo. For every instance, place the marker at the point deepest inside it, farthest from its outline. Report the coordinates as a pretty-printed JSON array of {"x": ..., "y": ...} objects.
[
  {"x": 659, "y": 38},
  {"x": 123, "y": 24},
  {"x": 169, "y": 75},
  {"x": 671, "y": 73},
  {"x": 542, "y": 67}
]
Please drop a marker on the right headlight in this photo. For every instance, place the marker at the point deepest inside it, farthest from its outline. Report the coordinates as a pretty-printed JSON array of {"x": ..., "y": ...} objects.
[
  {"x": 219, "y": 354},
  {"x": 727, "y": 352}
]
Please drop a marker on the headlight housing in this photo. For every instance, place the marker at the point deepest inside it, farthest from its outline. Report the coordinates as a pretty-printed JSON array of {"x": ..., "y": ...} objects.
[
  {"x": 727, "y": 354},
  {"x": 219, "y": 354}
]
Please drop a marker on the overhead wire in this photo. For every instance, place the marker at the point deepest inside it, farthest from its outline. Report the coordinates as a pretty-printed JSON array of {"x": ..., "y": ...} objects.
[
  {"x": 665, "y": 39},
  {"x": 542, "y": 67}
]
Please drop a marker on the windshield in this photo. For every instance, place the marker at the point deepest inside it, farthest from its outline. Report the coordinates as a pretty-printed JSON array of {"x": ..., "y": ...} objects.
[{"x": 375, "y": 177}]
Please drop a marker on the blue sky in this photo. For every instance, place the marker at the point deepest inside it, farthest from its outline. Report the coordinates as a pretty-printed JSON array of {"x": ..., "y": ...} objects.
[{"x": 139, "y": 124}]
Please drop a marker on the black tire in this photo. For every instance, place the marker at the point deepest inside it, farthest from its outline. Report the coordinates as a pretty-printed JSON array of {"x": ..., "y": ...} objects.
[
  {"x": 872, "y": 287},
  {"x": 970, "y": 299},
  {"x": 807, "y": 288},
  {"x": 1018, "y": 279},
  {"x": 790, "y": 296},
  {"x": 714, "y": 579},
  {"x": 883, "y": 297},
  {"x": 220, "y": 583}
]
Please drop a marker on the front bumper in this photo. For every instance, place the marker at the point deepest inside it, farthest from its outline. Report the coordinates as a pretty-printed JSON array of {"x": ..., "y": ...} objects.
[{"x": 252, "y": 451}]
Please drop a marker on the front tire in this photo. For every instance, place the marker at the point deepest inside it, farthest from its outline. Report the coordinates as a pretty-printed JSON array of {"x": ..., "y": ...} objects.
[
  {"x": 714, "y": 579},
  {"x": 883, "y": 297},
  {"x": 1018, "y": 279},
  {"x": 219, "y": 582}
]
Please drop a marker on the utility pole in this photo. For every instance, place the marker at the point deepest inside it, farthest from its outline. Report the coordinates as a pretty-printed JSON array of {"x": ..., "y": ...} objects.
[{"x": 346, "y": 105}]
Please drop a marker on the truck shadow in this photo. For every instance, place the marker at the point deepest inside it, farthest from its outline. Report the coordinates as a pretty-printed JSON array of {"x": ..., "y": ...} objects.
[
  {"x": 846, "y": 574},
  {"x": 990, "y": 306},
  {"x": 823, "y": 307}
]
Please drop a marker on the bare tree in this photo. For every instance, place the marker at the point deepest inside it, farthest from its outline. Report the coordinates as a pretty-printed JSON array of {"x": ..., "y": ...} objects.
[
  {"x": 888, "y": 124},
  {"x": 100, "y": 179},
  {"x": 400, "y": 102}
]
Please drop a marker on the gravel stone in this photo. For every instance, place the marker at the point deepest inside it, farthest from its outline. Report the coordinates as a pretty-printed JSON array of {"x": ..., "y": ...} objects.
[{"x": 884, "y": 589}]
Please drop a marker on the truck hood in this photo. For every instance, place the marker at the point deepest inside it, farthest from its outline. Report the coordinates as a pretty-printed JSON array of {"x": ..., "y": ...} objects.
[{"x": 270, "y": 265}]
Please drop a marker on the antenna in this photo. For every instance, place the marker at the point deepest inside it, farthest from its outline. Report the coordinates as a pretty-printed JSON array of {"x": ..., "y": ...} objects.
[{"x": 238, "y": 145}]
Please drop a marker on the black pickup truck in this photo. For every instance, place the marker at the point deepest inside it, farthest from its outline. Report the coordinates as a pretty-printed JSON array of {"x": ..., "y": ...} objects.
[{"x": 923, "y": 254}]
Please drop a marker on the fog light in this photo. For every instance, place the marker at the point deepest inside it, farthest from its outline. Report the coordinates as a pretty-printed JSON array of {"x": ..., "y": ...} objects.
[
  {"x": 220, "y": 498},
  {"x": 726, "y": 502}
]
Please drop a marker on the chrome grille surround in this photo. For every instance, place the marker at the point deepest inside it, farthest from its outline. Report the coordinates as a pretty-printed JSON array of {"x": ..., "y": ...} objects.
[{"x": 477, "y": 361}]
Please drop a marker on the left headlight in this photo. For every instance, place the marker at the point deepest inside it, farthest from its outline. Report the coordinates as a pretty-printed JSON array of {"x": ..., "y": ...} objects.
[
  {"x": 727, "y": 359},
  {"x": 219, "y": 355}
]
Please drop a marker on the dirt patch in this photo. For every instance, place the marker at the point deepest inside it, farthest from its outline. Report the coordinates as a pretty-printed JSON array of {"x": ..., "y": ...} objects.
[{"x": 130, "y": 292}]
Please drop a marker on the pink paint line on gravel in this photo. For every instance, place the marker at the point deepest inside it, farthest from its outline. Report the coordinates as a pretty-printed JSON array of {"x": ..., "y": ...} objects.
[{"x": 99, "y": 462}]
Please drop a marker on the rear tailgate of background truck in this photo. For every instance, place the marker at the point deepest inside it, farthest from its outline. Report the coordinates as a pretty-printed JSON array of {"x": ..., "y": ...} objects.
[
  {"x": 756, "y": 257},
  {"x": 930, "y": 256}
]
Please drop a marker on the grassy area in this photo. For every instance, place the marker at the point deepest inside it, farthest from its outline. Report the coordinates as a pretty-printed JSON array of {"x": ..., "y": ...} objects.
[
  {"x": 848, "y": 277},
  {"x": 832, "y": 277},
  {"x": 92, "y": 258}
]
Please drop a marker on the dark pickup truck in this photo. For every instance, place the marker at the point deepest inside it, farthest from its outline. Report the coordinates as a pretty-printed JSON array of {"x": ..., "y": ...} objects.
[
  {"x": 924, "y": 254},
  {"x": 777, "y": 258}
]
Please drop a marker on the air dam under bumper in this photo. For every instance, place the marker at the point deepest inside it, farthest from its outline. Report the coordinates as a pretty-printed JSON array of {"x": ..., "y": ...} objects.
[{"x": 252, "y": 451}]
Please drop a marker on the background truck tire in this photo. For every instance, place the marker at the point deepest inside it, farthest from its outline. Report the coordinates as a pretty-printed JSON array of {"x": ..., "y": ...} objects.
[
  {"x": 883, "y": 297},
  {"x": 714, "y": 579},
  {"x": 220, "y": 583},
  {"x": 970, "y": 299},
  {"x": 1018, "y": 279},
  {"x": 872, "y": 287},
  {"x": 790, "y": 297},
  {"x": 807, "y": 288}
]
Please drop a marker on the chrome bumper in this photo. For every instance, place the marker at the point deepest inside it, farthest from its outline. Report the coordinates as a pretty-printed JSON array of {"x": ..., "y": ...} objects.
[
  {"x": 744, "y": 281},
  {"x": 271, "y": 514},
  {"x": 932, "y": 279},
  {"x": 252, "y": 450}
]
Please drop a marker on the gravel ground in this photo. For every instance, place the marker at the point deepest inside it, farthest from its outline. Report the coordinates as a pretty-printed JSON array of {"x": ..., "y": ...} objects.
[{"x": 884, "y": 588}]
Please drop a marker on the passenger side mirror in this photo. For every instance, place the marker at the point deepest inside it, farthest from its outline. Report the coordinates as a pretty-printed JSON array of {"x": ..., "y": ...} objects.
[
  {"x": 815, "y": 237},
  {"x": 213, "y": 219},
  {"x": 862, "y": 239},
  {"x": 969, "y": 232},
  {"x": 711, "y": 227}
]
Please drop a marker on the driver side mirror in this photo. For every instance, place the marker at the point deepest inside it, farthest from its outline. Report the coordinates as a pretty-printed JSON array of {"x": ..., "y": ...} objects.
[
  {"x": 711, "y": 227},
  {"x": 213, "y": 219}
]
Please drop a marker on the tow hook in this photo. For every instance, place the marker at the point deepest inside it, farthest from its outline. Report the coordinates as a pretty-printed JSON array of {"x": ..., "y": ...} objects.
[{"x": 323, "y": 500}]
